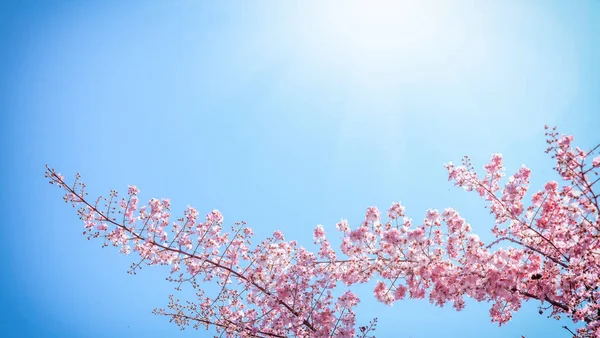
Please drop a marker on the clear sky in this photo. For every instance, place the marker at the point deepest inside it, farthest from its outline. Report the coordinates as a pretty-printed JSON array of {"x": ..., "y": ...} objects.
[{"x": 286, "y": 114}]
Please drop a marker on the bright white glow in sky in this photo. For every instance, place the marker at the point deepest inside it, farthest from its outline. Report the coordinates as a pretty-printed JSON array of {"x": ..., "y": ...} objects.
[{"x": 369, "y": 39}]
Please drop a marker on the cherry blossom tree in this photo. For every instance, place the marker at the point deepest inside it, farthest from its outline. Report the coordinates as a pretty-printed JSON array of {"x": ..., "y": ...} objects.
[{"x": 547, "y": 251}]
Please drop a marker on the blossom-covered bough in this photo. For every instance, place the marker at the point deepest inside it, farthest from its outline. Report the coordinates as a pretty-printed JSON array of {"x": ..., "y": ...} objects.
[
  {"x": 548, "y": 251},
  {"x": 274, "y": 289}
]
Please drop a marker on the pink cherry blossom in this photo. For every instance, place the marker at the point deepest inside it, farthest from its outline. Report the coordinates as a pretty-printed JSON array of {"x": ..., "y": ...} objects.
[{"x": 319, "y": 233}]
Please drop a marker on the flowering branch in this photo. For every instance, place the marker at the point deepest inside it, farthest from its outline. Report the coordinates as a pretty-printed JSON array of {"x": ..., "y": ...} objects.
[
  {"x": 556, "y": 259},
  {"x": 279, "y": 289}
]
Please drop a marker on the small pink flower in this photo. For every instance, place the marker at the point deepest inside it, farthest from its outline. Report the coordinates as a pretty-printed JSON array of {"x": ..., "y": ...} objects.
[
  {"x": 348, "y": 299},
  {"x": 132, "y": 190},
  {"x": 432, "y": 215},
  {"x": 343, "y": 226},
  {"x": 319, "y": 233},
  {"x": 551, "y": 186},
  {"x": 565, "y": 141},
  {"x": 215, "y": 216},
  {"x": 400, "y": 292},
  {"x": 372, "y": 215},
  {"x": 383, "y": 294},
  {"x": 396, "y": 211}
]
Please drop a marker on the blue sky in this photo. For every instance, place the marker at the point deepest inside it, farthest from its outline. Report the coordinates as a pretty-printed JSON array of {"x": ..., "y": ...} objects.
[{"x": 285, "y": 114}]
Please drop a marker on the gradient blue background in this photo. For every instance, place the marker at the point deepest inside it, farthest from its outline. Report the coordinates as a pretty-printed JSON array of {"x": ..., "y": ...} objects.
[{"x": 285, "y": 114}]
